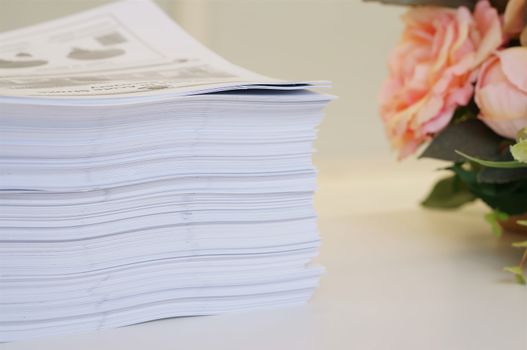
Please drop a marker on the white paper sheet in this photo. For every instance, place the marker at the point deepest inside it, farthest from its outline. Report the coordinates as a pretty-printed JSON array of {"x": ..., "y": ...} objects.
[
  {"x": 128, "y": 194},
  {"x": 125, "y": 49}
]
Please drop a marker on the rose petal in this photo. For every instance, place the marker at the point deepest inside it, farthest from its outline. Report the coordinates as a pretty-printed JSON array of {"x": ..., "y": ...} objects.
[
  {"x": 430, "y": 109},
  {"x": 491, "y": 73},
  {"x": 439, "y": 122},
  {"x": 488, "y": 23},
  {"x": 506, "y": 127},
  {"x": 514, "y": 66},
  {"x": 460, "y": 96},
  {"x": 502, "y": 101}
]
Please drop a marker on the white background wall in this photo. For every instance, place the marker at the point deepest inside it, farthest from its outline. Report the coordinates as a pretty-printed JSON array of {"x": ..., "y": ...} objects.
[{"x": 345, "y": 41}]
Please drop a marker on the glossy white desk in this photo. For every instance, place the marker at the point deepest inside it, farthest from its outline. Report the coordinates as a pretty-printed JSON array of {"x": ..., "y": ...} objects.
[{"x": 398, "y": 277}]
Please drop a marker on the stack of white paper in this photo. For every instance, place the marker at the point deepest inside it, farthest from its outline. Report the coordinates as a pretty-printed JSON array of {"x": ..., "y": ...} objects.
[{"x": 143, "y": 177}]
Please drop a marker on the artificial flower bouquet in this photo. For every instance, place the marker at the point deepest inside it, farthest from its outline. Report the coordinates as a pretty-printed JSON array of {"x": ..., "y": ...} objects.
[{"x": 457, "y": 89}]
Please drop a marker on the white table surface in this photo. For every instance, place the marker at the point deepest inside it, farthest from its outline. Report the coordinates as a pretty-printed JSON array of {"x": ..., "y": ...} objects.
[{"x": 398, "y": 277}]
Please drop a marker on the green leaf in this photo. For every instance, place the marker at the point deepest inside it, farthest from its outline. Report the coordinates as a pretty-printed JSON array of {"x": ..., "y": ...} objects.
[
  {"x": 522, "y": 134},
  {"x": 513, "y": 164},
  {"x": 471, "y": 136},
  {"x": 448, "y": 193},
  {"x": 501, "y": 176},
  {"x": 510, "y": 198},
  {"x": 464, "y": 113},
  {"x": 522, "y": 244},
  {"x": 519, "y": 151},
  {"x": 517, "y": 271},
  {"x": 494, "y": 219}
]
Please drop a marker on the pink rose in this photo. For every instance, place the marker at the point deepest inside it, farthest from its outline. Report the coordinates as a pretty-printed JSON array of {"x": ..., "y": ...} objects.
[
  {"x": 501, "y": 91},
  {"x": 432, "y": 69}
]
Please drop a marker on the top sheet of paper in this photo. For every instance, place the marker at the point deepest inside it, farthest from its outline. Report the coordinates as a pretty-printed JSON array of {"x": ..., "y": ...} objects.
[{"x": 128, "y": 49}]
